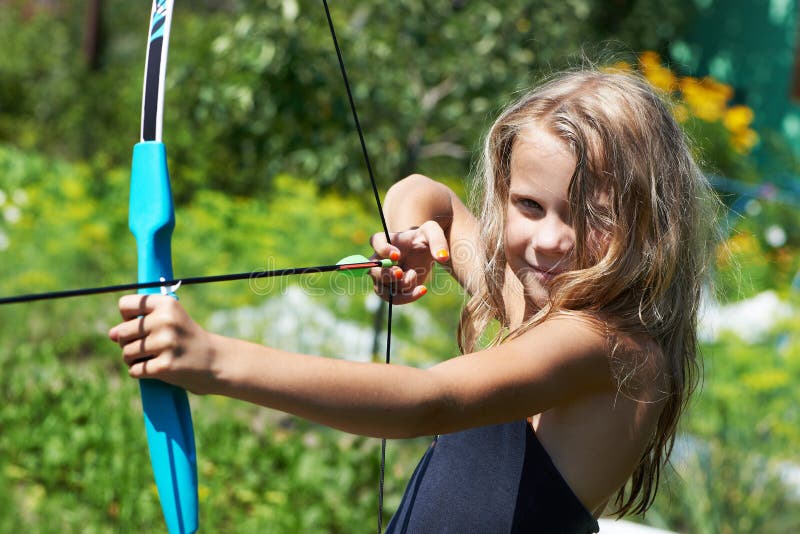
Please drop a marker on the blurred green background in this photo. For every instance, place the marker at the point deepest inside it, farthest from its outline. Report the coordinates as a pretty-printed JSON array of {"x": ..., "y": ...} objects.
[{"x": 267, "y": 173}]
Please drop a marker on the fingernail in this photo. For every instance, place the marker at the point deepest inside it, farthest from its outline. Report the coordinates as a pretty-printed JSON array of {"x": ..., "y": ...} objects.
[
  {"x": 422, "y": 291},
  {"x": 442, "y": 254},
  {"x": 394, "y": 255},
  {"x": 398, "y": 273}
]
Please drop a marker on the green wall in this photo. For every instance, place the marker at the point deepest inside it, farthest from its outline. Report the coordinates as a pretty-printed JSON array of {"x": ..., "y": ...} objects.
[{"x": 749, "y": 44}]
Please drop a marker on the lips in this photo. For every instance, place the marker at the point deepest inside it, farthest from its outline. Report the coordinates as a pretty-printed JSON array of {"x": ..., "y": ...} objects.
[{"x": 545, "y": 274}]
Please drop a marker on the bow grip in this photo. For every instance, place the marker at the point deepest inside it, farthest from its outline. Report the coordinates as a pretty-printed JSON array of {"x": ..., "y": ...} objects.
[{"x": 168, "y": 419}]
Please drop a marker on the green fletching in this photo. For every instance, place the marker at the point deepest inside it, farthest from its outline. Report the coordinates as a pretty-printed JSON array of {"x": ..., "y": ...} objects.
[
  {"x": 358, "y": 258},
  {"x": 355, "y": 258}
]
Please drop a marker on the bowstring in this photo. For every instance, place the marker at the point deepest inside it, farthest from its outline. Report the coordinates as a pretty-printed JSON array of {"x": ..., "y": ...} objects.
[{"x": 365, "y": 153}]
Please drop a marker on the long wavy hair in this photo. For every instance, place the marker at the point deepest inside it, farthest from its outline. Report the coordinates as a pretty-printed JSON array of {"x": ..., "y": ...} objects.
[{"x": 637, "y": 184}]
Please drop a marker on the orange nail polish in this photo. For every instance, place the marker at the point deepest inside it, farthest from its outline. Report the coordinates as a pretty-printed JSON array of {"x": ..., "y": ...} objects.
[
  {"x": 394, "y": 256},
  {"x": 422, "y": 291},
  {"x": 398, "y": 273},
  {"x": 443, "y": 255}
]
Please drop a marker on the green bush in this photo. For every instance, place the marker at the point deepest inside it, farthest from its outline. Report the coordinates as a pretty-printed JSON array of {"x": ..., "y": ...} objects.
[{"x": 73, "y": 452}]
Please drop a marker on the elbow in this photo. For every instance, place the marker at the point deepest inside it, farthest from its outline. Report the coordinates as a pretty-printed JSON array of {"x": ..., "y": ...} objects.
[
  {"x": 412, "y": 182},
  {"x": 434, "y": 412}
]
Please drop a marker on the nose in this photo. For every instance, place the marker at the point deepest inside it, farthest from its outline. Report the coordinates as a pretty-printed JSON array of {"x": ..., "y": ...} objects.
[{"x": 554, "y": 237}]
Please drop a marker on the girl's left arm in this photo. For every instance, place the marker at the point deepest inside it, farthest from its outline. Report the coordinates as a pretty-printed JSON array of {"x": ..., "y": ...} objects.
[{"x": 551, "y": 364}]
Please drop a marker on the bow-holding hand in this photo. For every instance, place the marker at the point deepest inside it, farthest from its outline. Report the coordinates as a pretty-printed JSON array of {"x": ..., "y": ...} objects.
[
  {"x": 159, "y": 340},
  {"x": 415, "y": 250}
]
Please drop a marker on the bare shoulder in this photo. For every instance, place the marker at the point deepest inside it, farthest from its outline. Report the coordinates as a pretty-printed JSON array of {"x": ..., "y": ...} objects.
[
  {"x": 638, "y": 367},
  {"x": 588, "y": 332},
  {"x": 636, "y": 361}
]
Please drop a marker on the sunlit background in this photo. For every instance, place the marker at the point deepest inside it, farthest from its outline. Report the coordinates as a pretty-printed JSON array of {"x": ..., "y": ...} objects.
[{"x": 267, "y": 173}]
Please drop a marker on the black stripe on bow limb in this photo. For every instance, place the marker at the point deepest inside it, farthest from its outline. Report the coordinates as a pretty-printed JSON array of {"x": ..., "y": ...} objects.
[
  {"x": 385, "y": 230},
  {"x": 292, "y": 271}
]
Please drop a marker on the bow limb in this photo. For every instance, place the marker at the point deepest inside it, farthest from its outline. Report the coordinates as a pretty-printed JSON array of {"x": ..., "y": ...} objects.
[{"x": 168, "y": 419}]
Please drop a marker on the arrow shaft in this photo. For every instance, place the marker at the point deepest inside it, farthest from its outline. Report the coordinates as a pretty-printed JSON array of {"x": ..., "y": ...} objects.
[{"x": 290, "y": 271}]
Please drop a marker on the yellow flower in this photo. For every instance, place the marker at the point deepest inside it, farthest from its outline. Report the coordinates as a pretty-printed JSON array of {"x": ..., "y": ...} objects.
[
  {"x": 743, "y": 244},
  {"x": 737, "y": 119},
  {"x": 680, "y": 112},
  {"x": 706, "y": 98},
  {"x": 619, "y": 66},
  {"x": 721, "y": 90},
  {"x": 648, "y": 58},
  {"x": 657, "y": 74},
  {"x": 744, "y": 141}
]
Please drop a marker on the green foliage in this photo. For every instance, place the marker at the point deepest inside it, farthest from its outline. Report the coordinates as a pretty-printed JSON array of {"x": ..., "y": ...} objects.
[
  {"x": 743, "y": 428},
  {"x": 73, "y": 452},
  {"x": 752, "y": 383},
  {"x": 74, "y": 455},
  {"x": 253, "y": 89},
  {"x": 762, "y": 248},
  {"x": 254, "y": 98}
]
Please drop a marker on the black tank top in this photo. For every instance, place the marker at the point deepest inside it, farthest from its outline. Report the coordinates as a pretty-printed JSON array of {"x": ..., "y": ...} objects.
[{"x": 487, "y": 480}]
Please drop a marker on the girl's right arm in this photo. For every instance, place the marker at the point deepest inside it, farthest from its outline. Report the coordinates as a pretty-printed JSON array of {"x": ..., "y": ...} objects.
[{"x": 427, "y": 222}]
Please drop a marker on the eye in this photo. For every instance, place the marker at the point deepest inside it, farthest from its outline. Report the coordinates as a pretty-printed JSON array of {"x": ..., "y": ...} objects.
[{"x": 529, "y": 204}]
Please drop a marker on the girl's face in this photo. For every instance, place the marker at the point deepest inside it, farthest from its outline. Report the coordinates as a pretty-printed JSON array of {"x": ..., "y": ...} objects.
[{"x": 539, "y": 238}]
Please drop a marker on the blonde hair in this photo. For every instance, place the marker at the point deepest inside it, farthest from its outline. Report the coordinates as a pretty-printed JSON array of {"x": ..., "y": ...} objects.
[{"x": 637, "y": 184}]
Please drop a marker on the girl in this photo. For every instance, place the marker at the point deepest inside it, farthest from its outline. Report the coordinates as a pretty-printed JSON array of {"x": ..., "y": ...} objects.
[{"x": 587, "y": 253}]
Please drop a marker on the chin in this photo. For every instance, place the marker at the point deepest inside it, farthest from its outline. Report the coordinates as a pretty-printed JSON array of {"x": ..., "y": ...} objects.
[{"x": 535, "y": 290}]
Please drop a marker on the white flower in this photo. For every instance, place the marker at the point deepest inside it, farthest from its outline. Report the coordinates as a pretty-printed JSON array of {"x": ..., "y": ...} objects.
[
  {"x": 20, "y": 197},
  {"x": 753, "y": 207},
  {"x": 12, "y": 214},
  {"x": 290, "y": 10},
  {"x": 750, "y": 319},
  {"x": 775, "y": 236}
]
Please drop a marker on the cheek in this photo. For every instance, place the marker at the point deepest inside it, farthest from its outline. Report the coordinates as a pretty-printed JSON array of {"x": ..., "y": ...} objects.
[{"x": 514, "y": 235}]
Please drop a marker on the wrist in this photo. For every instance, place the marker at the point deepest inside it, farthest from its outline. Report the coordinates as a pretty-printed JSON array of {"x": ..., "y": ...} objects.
[{"x": 222, "y": 365}]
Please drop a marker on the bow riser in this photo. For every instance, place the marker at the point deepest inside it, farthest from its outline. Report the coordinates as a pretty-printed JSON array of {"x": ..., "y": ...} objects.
[{"x": 168, "y": 419}]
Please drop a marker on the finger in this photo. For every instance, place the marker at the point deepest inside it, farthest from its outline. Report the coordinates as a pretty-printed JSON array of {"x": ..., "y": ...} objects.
[
  {"x": 386, "y": 276},
  {"x": 388, "y": 286},
  {"x": 130, "y": 331},
  {"x": 436, "y": 241},
  {"x": 160, "y": 344},
  {"x": 166, "y": 319},
  {"x": 409, "y": 279},
  {"x": 384, "y": 249},
  {"x": 402, "y": 291},
  {"x": 161, "y": 319},
  {"x": 131, "y": 306},
  {"x": 411, "y": 295},
  {"x": 148, "y": 368},
  {"x": 419, "y": 292},
  {"x": 138, "y": 349}
]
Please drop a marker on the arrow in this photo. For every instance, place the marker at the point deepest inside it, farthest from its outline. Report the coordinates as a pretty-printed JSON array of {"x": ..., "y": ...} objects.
[{"x": 352, "y": 265}]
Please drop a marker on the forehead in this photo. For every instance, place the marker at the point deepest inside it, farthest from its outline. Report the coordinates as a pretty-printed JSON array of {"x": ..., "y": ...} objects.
[{"x": 540, "y": 159}]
